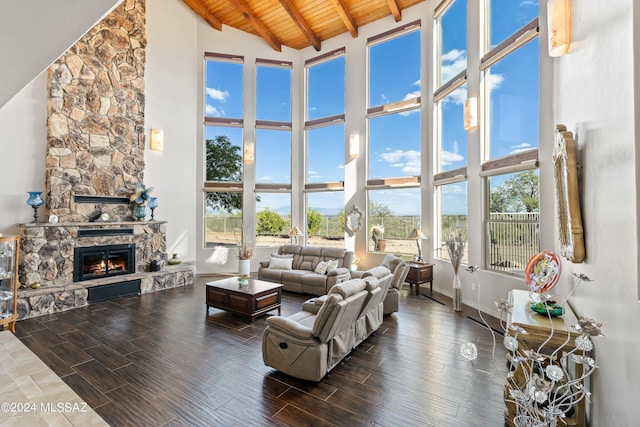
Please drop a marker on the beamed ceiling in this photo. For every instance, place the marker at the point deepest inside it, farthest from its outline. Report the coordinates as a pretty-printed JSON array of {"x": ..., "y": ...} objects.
[{"x": 297, "y": 23}]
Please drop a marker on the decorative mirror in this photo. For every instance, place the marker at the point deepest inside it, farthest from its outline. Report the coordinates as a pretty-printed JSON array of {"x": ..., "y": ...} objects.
[
  {"x": 353, "y": 220},
  {"x": 565, "y": 172}
]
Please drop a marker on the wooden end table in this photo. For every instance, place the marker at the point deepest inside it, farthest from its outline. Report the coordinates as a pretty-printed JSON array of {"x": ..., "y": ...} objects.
[
  {"x": 420, "y": 273},
  {"x": 253, "y": 300}
]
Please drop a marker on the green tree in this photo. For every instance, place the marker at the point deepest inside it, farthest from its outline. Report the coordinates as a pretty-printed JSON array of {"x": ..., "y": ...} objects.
[
  {"x": 269, "y": 221},
  {"x": 341, "y": 219},
  {"x": 224, "y": 163},
  {"x": 519, "y": 193},
  {"x": 379, "y": 210},
  {"x": 314, "y": 221}
]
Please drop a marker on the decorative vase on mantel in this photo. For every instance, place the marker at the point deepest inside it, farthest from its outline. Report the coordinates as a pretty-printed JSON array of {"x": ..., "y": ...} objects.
[{"x": 139, "y": 212}]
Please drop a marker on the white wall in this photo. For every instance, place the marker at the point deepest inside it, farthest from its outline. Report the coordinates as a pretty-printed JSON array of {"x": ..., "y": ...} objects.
[
  {"x": 171, "y": 103},
  {"x": 27, "y": 26},
  {"x": 22, "y": 153},
  {"x": 595, "y": 97}
]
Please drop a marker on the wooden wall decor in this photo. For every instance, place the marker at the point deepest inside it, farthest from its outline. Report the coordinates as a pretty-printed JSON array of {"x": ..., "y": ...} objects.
[{"x": 565, "y": 171}]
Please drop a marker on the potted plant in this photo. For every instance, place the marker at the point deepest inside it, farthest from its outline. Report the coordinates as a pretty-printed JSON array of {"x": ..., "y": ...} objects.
[{"x": 245, "y": 253}]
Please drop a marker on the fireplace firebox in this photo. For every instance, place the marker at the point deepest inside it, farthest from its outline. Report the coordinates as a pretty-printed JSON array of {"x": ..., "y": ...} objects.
[{"x": 94, "y": 262}]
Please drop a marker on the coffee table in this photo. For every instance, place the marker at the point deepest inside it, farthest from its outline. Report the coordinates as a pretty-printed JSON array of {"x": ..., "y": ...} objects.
[{"x": 253, "y": 300}]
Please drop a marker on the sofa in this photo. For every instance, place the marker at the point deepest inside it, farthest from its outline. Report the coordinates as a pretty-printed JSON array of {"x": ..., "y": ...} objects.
[
  {"x": 391, "y": 275},
  {"x": 370, "y": 317},
  {"x": 298, "y": 268},
  {"x": 311, "y": 342}
]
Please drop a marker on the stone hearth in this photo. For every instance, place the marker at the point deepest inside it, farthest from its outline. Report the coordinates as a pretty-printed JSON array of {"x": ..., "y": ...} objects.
[{"x": 47, "y": 258}]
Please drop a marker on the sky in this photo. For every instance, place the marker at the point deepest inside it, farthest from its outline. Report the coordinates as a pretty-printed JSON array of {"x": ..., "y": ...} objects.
[{"x": 393, "y": 140}]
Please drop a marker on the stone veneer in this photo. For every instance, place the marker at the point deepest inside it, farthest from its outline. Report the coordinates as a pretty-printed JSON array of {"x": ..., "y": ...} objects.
[
  {"x": 50, "y": 299},
  {"x": 46, "y": 250},
  {"x": 47, "y": 257},
  {"x": 95, "y": 126}
]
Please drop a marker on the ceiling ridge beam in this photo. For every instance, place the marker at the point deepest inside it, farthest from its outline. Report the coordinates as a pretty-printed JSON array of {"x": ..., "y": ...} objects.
[
  {"x": 346, "y": 17},
  {"x": 395, "y": 10},
  {"x": 257, "y": 24},
  {"x": 201, "y": 10},
  {"x": 299, "y": 20}
]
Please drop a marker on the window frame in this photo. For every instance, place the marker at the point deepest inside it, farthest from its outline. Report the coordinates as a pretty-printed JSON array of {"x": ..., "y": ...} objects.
[{"x": 521, "y": 161}]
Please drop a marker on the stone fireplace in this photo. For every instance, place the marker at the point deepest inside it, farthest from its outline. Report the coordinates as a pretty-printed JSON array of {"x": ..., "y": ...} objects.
[
  {"x": 49, "y": 252},
  {"x": 95, "y": 157}
]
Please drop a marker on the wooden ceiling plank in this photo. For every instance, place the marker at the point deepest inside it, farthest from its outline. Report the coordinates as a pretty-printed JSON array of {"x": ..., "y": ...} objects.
[
  {"x": 346, "y": 17},
  {"x": 299, "y": 20},
  {"x": 264, "y": 32},
  {"x": 395, "y": 10},
  {"x": 201, "y": 10}
]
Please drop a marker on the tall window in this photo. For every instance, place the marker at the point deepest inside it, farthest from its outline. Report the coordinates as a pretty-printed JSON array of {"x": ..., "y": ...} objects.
[
  {"x": 325, "y": 218},
  {"x": 510, "y": 70},
  {"x": 450, "y": 21},
  {"x": 223, "y": 149},
  {"x": 393, "y": 119},
  {"x": 273, "y": 218},
  {"x": 325, "y": 149},
  {"x": 273, "y": 152}
]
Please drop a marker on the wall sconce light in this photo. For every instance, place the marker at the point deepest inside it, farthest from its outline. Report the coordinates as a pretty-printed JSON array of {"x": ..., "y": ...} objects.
[
  {"x": 249, "y": 152},
  {"x": 156, "y": 139},
  {"x": 559, "y": 22},
  {"x": 471, "y": 113},
  {"x": 354, "y": 145}
]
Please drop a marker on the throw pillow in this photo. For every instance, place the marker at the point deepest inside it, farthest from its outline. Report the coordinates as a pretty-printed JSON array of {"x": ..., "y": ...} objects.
[
  {"x": 321, "y": 268},
  {"x": 280, "y": 263},
  {"x": 331, "y": 265},
  {"x": 282, "y": 256}
]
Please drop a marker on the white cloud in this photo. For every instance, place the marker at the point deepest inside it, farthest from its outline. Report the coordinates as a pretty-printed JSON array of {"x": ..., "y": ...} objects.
[
  {"x": 412, "y": 95},
  {"x": 495, "y": 81},
  {"x": 529, "y": 3},
  {"x": 340, "y": 166},
  {"x": 520, "y": 147},
  {"x": 453, "y": 189},
  {"x": 458, "y": 96},
  {"x": 212, "y": 111},
  {"x": 407, "y": 161},
  {"x": 453, "y": 62},
  {"x": 266, "y": 178},
  {"x": 448, "y": 157},
  {"x": 217, "y": 94},
  {"x": 313, "y": 174}
]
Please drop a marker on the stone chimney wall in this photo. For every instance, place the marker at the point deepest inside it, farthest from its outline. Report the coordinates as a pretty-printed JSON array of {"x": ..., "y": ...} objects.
[{"x": 95, "y": 129}]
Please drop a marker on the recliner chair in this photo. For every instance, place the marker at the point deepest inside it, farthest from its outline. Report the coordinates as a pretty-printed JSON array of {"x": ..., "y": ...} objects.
[{"x": 308, "y": 345}]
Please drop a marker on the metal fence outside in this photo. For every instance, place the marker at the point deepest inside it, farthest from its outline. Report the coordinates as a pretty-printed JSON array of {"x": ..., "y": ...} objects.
[{"x": 512, "y": 239}]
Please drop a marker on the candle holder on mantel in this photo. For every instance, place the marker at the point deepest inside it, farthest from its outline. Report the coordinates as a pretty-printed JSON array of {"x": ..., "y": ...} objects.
[
  {"x": 153, "y": 204},
  {"x": 35, "y": 201}
]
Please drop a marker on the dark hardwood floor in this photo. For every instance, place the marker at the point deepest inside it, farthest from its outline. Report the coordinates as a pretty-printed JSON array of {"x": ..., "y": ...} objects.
[{"x": 159, "y": 360}]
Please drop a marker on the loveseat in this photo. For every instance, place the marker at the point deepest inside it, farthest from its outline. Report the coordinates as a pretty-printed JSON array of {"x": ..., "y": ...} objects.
[
  {"x": 311, "y": 342},
  {"x": 298, "y": 268}
]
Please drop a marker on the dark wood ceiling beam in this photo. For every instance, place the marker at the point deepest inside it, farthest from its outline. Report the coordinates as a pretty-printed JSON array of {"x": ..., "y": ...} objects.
[
  {"x": 244, "y": 9},
  {"x": 199, "y": 9},
  {"x": 299, "y": 20},
  {"x": 346, "y": 17},
  {"x": 395, "y": 10}
]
